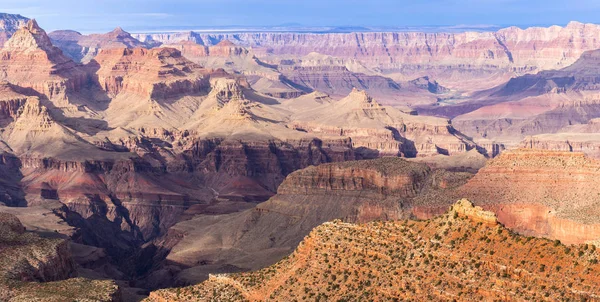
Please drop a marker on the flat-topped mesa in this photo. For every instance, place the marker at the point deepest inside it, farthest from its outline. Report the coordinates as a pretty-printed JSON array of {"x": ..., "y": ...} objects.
[
  {"x": 226, "y": 48},
  {"x": 31, "y": 61},
  {"x": 465, "y": 208},
  {"x": 381, "y": 177},
  {"x": 155, "y": 73}
]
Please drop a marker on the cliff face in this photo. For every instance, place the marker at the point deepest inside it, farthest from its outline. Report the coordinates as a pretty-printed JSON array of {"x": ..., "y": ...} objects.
[
  {"x": 35, "y": 268},
  {"x": 411, "y": 260},
  {"x": 508, "y": 49},
  {"x": 9, "y": 24},
  {"x": 156, "y": 73},
  {"x": 355, "y": 191},
  {"x": 29, "y": 60},
  {"x": 83, "y": 48},
  {"x": 543, "y": 193}
]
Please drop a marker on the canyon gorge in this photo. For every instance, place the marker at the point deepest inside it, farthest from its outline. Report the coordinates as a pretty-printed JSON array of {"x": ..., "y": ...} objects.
[{"x": 243, "y": 166}]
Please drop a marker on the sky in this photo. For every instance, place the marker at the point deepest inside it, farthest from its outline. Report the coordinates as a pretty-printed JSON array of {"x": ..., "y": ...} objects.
[{"x": 139, "y": 15}]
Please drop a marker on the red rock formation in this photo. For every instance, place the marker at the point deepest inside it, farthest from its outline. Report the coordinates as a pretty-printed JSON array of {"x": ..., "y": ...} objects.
[
  {"x": 508, "y": 49},
  {"x": 356, "y": 191},
  {"x": 83, "y": 48},
  {"x": 463, "y": 255},
  {"x": 155, "y": 73},
  {"x": 543, "y": 193},
  {"x": 30, "y": 61}
]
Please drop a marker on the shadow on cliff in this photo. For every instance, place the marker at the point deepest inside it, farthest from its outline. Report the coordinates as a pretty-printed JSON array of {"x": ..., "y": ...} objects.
[
  {"x": 80, "y": 124},
  {"x": 11, "y": 190},
  {"x": 97, "y": 230}
]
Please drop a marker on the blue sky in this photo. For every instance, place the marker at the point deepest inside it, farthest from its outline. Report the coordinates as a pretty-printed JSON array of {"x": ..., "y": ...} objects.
[{"x": 103, "y": 15}]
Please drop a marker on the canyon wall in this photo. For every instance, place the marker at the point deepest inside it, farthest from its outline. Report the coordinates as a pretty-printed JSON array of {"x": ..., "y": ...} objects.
[{"x": 510, "y": 48}]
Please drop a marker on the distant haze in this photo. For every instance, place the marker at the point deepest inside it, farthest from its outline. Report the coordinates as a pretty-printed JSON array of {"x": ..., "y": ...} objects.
[{"x": 144, "y": 15}]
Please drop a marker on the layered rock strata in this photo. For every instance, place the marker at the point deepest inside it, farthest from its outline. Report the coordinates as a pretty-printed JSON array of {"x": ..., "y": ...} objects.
[
  {"x": 34, "y": 268},
  {"x": 462, "y": 255}
]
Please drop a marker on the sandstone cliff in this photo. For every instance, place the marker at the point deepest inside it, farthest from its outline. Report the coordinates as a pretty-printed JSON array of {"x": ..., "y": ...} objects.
[
  {"x": 509, "y": 49},
  {"x": 543, "y": 193},
  {"x": 355, "y": 191}
]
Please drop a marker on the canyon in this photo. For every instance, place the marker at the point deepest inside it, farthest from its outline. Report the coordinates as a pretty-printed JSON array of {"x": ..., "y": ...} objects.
[
  {"x": 464, "y": 254},
  {"x": 219, "y": 161}
]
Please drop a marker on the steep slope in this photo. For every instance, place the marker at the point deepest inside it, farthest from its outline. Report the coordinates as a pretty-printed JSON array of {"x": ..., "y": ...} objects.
[
  {"x": 83, "y": 48},
  {"x": 9, "y": 24},
  {"x": 382, "y": 129},
  {"x": 453, "y": 58},
  {"x": 463, "y": 255},
  {"x": 355, "y": 191},
  {"x": 535, "y": 104},
  {"x": 34, "y": 269},
  {"x": 235, "y": 59},
  {"x": 30, "y": 61},
  {"x": 542, "y": 193}
]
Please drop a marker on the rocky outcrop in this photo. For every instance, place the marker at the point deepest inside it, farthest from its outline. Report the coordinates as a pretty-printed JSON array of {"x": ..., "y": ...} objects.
[
  {"x": 355, "y": 191},
  {"x": 156, "y": 73},
  {"x": 381, "y": 129},
  {"x": 465, "y": 208},
  {"x": 29, "y": 60},
  {"x": 32, "y": 268},
  {"x": 542, "y": 193},
  {"x": 83, "y": 48},
  {"x": 9, "y": 24},
  {"x": 409, "y": 260}
]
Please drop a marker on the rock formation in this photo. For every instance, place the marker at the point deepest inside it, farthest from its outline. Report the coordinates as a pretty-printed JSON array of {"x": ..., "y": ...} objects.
[
  {"x": 355, "y": 191},
  {"x": 34, "y": 268},
  {"x": 534, "y": 104},
  {"x": 9, "y": 24},
  {"x": 543, "y": 193},
  {"x": 442, "y": 54},
  {"x": 29, "y": 60},
  {"x": 83, "y": 48},
  {"x": 463, "y": 255},
  {"x": 382, "y": 129}
]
